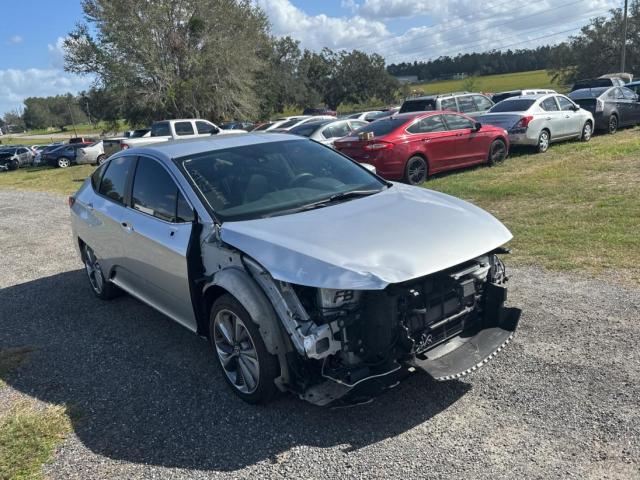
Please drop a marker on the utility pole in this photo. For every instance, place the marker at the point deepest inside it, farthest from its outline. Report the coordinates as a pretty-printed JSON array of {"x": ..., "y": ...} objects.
[
  {"x": 623, "y": 59},
  {"x": 73, "y": 122}
]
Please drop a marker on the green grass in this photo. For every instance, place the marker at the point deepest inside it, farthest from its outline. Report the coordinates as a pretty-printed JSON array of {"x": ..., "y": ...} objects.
[
  {"x": 493, "y": 83},
  {"x": 28, "y": 438},
  {"x": 28, "y": 433},
  {"x": 577, "y": 207},
  {"x": 47, "y": 179}
]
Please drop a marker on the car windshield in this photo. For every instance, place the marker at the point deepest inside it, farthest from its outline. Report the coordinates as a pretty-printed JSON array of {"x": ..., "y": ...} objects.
[
  {"x": 306, "y": 130},
  {"x": 519, "y": 105},
  {"x": 588, "y": 93},
  {"x": 418, "y": 105},
  {"x": 384, "y": 126},
  {"x": 289, "y": 123},
  {"x": 274, "y": 178},
  {"x": 263, "y": 127}
]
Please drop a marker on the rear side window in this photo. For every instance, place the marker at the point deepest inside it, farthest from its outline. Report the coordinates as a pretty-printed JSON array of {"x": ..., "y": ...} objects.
[
  {"x": 97, "y": 175},
  {"x": 114, "y": 180},
  {"x": 467, "y": 105},
  {"x": 565, "y": 104},
  {"x": 183, "y": 128},
  {"x": 482, "y": 102},
  {"x": 549, "y": 105},
  {"x": 449, "y": 104},
  {"x": 418, "y": 105},
  {"x": 457, "y": 122},
  {"x": 160, "y": 129},
  {"x": 155, "y": 193},
  {"x": 428, "y": 125},
  {"x": 205, "y": 128}
]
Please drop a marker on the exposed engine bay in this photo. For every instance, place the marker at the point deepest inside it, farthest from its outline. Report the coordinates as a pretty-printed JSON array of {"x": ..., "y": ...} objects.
[{"x": 347, "y": 341}]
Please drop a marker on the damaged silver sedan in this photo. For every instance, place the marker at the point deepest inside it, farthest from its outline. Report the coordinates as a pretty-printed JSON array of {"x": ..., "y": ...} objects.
[{"x": 305, "y": 271}]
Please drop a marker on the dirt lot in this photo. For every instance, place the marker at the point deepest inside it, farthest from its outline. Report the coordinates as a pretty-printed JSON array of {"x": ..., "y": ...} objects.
[{"x": 562, "y": 401}]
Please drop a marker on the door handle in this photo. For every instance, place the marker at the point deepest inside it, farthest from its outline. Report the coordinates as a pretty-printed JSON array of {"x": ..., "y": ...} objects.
[
  {"x": 90, "y": 206},
  {"x": 548, "y": 118},
  {"x": 459, "y": 134},
  {"x": 426, "y": 140},
  {"x": 127, "y": 226}
]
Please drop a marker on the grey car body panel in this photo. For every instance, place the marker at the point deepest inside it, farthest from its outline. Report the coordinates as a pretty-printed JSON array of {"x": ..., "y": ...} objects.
[{"x": 362, "y": 248}]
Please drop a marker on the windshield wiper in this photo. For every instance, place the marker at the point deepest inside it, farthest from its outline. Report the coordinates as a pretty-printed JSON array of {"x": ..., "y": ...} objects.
[{"x": 352, "y": 194}]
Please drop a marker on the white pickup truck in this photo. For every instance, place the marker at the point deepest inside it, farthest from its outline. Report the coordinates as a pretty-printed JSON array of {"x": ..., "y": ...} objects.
[{"x": 166, "y": 130}]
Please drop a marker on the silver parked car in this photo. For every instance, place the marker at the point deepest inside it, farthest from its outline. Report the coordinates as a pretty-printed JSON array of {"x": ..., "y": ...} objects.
[
  {"x": 91, "y": 154},
  {"x": 328, "y": 131},
  {"x": 539, "y": 120},
  {"x": 306, "y": 272},
  {"x": 14, "y": 157}
]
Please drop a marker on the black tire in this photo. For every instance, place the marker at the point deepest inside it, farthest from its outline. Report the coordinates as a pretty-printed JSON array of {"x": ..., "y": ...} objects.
[
  {"x": 612, "y": 127},
  {"x": 14, "y": 165},
  {"x": 544, "y": 140},
  {"x": 100, "y": 286},
  {"x": 63, "y": 162},
  {"x": 100, "y": 160},
  {"x": 416, "y": 171},
  {"x": 587, "y": 132},
  {"x": 268, "y": 367},
  {"x": 497, "y": 152}
]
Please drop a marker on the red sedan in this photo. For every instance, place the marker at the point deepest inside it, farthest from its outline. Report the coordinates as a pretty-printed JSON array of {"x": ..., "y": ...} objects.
[{"x": 412, "y": 146}]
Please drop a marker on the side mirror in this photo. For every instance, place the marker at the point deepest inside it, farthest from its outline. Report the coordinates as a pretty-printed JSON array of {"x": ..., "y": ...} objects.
[
  {"x": 369, "y": 167},
  {"x": 476, "y": 127},
  {"x": 576, "y": 107}
]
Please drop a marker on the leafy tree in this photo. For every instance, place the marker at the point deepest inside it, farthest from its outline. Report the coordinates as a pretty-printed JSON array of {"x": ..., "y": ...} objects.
[
  {"x": 597, "y": 49},
  {"x": 57, "y": 111},
  {"x": 178, "y": 58}
]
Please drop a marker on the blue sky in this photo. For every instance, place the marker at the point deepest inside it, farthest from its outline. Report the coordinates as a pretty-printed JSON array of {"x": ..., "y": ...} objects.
[{"x": 31, "y": 62}]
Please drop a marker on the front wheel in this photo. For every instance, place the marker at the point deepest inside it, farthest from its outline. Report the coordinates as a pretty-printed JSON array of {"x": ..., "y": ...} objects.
[
  {"x": 14, "y": 165},
  {"x": 497, "y": 152},
  {"x": 63, "y": 162},
  {"x": 543, "y": 141},
  {"x": 416, "y": 171},
  {"x": 587, "y": 132},
  {"x": 248, "y": 368}
]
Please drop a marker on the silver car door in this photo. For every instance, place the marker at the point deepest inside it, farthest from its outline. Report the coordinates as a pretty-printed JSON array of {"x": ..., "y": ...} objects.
[
  {"x": 157, "y": 229},
  {"x": 572, "y": 115},
  {"x": 555, "y": 120}
]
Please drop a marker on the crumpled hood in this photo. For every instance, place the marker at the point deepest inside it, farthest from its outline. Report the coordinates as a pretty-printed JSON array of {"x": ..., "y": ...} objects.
[{"x": 367, "y": 243}]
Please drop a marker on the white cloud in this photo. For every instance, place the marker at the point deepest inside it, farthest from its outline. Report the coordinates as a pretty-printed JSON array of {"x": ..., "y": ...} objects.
[
  {"x": 451, "y": 27},
  {"x": 56, "y": 53},
  {"x": 16, "y": 39},
  {"x": 16, "y": 85}
]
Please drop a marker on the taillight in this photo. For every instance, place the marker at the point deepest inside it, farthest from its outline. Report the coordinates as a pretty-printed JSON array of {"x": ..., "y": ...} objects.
[
  {"x": 123, "y": 146},
  {"x": 599, "y": 105},
  {"x": 378, "y": 146},
  {"x": 71, "y": 200},
  {"x": 522, "y": 124}
]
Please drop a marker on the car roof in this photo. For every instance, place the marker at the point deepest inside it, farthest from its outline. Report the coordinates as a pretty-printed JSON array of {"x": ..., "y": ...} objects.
[{"x": 188, "y": 147}]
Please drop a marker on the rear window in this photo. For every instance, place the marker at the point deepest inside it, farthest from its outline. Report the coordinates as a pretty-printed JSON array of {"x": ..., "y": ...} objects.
[
  {"x": 419, "y": 105},
  {"x": 289, "y": 123},
  {"x": 587, "y": 93},
  {"x": 520, "y": 105},
  {"x": 304, "y": 130},
  {"x": 383, "y": 126}
]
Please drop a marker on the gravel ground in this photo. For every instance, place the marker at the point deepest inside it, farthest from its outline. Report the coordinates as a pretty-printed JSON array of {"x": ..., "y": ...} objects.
[{"x": 562, "y": 401}]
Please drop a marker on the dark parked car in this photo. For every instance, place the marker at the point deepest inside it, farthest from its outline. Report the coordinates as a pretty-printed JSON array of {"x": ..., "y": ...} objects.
[
  {"x": 412, "y": 146},
  {"x": 64, "y": 156},
  {"x": 237, "y": 126},
  {"x": 500, "y": 96},
  {"x": 84, "y": 140},
  {"x": 319, "y": 111},
  {"x": 612, "y": 107},
  {"x": 597, "y": 82}
]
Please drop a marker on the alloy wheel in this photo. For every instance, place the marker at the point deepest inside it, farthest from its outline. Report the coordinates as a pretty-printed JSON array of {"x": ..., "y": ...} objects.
[
  {"x": 94, "y": 271},
  {"x": 236, "y": 351},
  {"x": 63, "y": 162},
  {"x": 543, "y": 141},
  {"x": 498, "y": 152},
  {"x": 613, "y": 124},
  {"x": 416, "y": 171},
  {"x": 587, "y": 132}
]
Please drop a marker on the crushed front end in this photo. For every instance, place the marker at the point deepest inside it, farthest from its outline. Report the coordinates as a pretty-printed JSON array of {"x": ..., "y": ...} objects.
[{"x": 350, "y": 344}]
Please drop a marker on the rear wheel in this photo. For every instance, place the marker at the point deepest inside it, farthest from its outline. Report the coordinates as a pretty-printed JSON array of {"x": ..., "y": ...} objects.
[
  {"x": 63, "y": 162},
  {"x": 248, "y": 368},
  {"x": 613, "y": 123},
  {"x": 416, "y": 171},
  {"x": 544, "y": 139},
  {"x": 587, "y": 132},
  {"x": 497, "y": 152},
  {"x": 101, "y": 287}
]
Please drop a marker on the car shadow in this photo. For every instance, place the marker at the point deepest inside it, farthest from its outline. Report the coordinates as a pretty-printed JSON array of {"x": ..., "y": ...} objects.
[{"x": 148, "y": 391}]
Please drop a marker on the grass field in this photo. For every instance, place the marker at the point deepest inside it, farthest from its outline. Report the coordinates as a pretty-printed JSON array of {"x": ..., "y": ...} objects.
[
  {"x": 577, "y": 207},
  {"x": 494, "y": 83}
]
